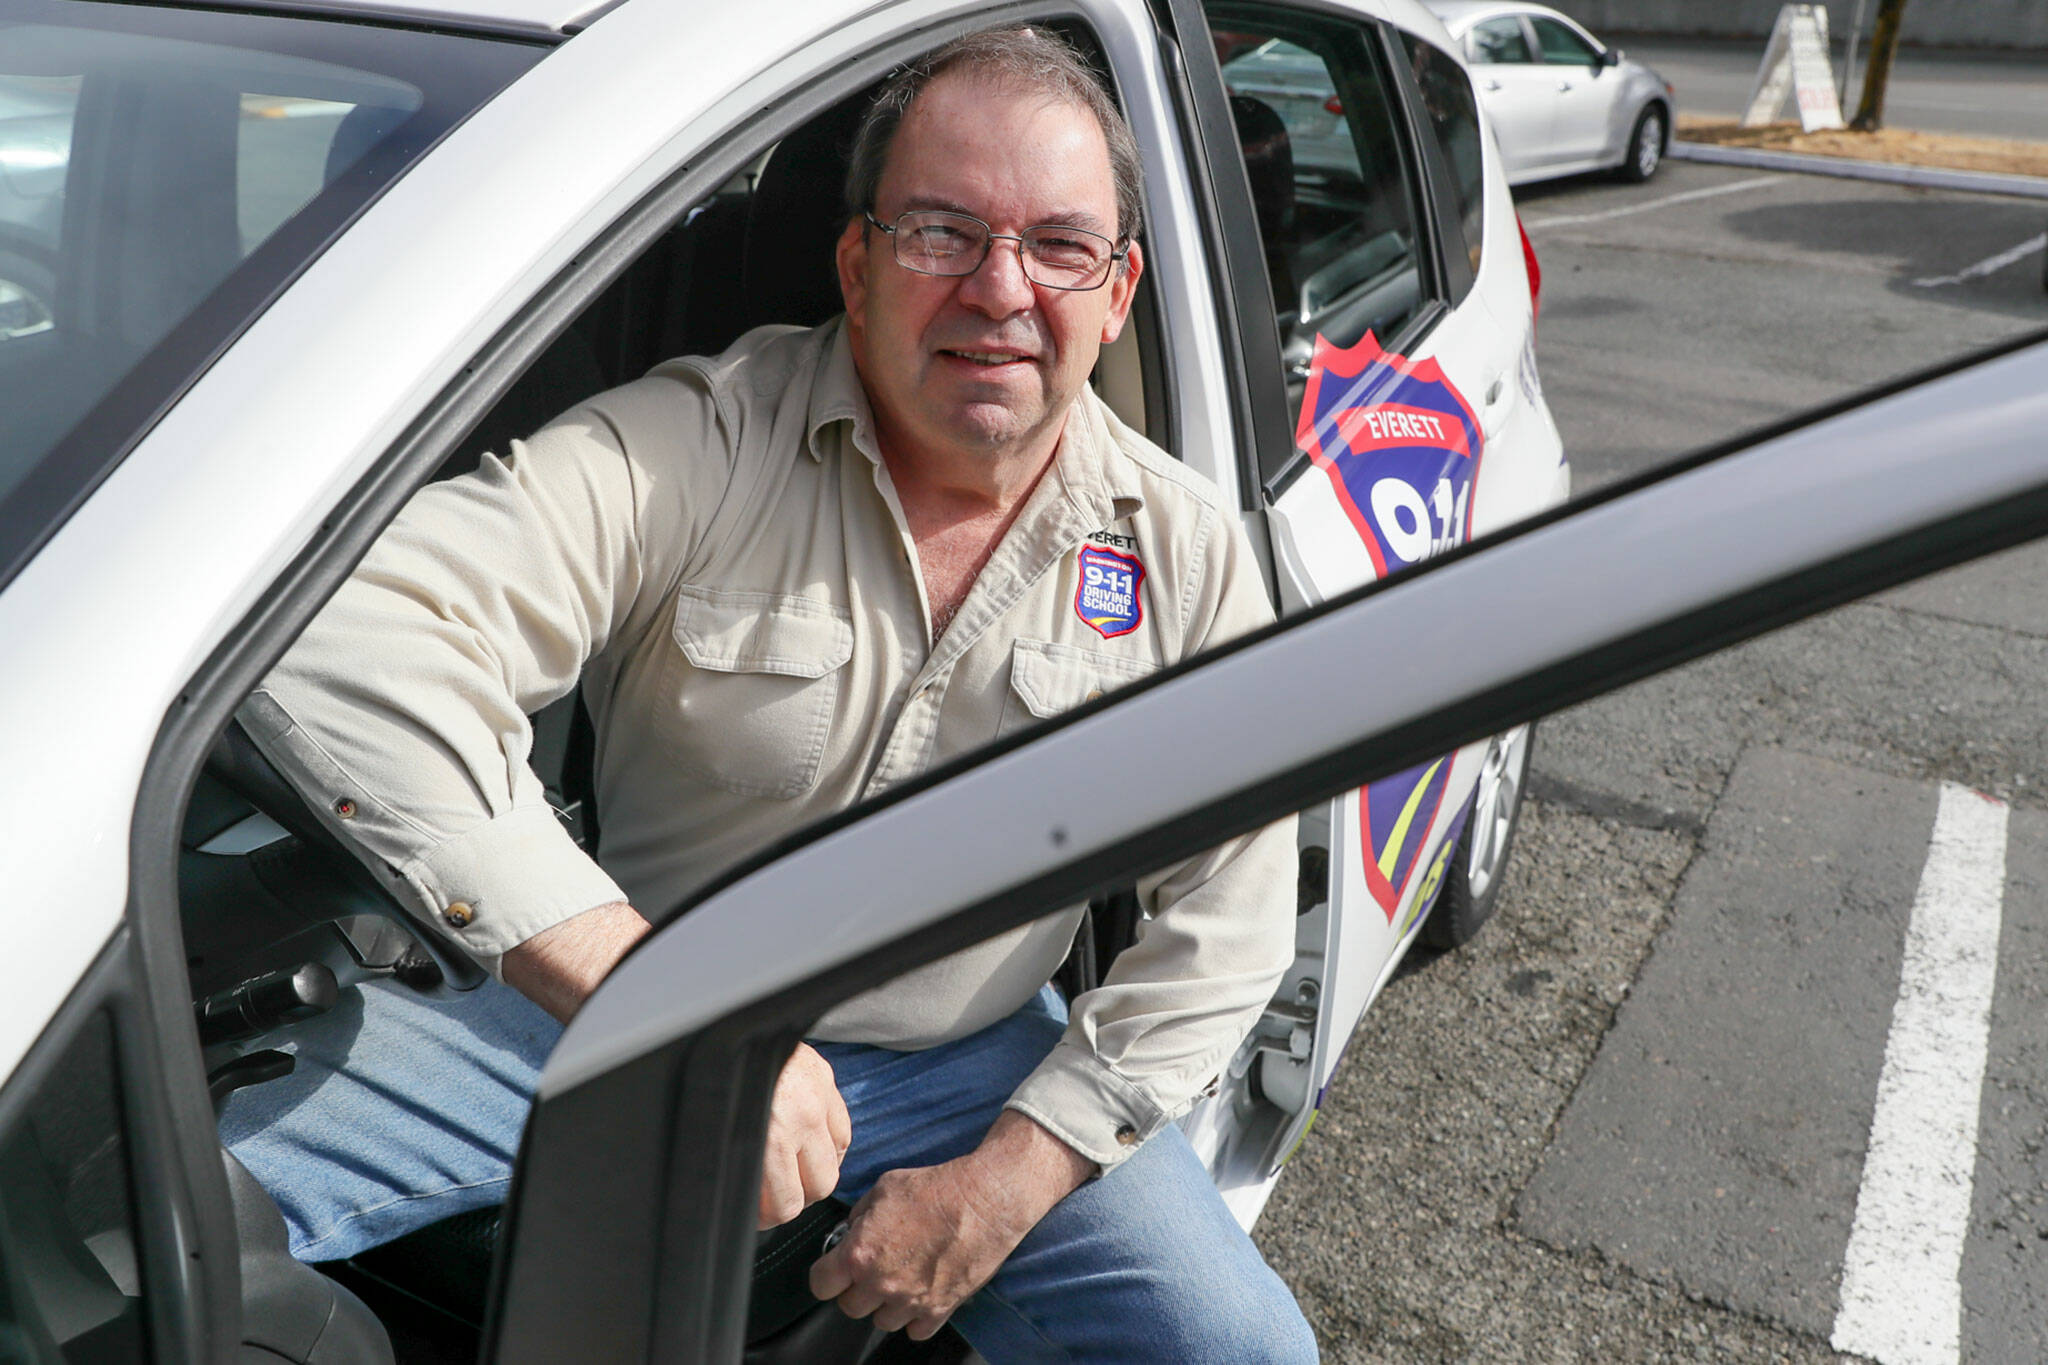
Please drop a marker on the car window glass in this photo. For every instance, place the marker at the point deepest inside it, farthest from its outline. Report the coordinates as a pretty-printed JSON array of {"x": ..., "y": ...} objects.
[
  {"x": 148, "y": 162},
  {"x": 1454, "y": 119},
  {"x": 70, "y": 1285},
  {"x": 36, "y": 117},
  {"x": 1499, "y": 40},
  {"x": 1330, "y": 184},
  {"x": 1561, "y": 46}
]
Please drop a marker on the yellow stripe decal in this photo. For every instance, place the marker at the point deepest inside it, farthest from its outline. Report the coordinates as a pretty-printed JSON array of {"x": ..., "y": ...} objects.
[{"x": 1392, "y": 856}]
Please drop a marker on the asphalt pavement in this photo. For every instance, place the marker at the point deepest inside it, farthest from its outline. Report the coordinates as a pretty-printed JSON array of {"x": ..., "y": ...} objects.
[
  {"x": 1931, "y": 90},
  {"x": 1651, "y": 1113}
]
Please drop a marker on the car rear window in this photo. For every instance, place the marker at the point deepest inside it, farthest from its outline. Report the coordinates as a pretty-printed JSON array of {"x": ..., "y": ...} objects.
[
  {"x": 163, "y": 173},
  {"x": 1454, "y": 119}
]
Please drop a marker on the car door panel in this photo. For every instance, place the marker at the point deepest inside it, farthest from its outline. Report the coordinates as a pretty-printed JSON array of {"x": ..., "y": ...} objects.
[
  {"x": 1519, "y": 96},
  {"x": 1585, "y": 94}
]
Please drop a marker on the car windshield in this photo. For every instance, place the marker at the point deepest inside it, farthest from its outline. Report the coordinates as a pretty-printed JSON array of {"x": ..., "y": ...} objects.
[{"x": 162, "y": 173}]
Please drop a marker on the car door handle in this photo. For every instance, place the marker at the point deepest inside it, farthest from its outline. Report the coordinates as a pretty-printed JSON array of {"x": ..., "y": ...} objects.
[
  {"x": 1564, "y": 85},
  {"x": 1492, "y": 85}
]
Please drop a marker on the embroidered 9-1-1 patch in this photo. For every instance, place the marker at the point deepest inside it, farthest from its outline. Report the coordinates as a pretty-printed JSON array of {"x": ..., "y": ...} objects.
[{"x": 1107, "y": 598}]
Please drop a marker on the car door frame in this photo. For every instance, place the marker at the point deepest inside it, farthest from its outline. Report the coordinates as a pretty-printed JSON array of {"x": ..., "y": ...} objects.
[
  {"x": 687, "y": 1034},
  {"x": 185, "y": 1245}
]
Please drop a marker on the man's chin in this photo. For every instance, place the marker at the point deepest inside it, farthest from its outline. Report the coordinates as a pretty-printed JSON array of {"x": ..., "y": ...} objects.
[{"x": 992, "y": 425}]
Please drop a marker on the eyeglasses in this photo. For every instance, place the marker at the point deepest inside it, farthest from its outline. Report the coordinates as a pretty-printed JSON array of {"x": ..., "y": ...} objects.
[{"x": 935, "y": 242}]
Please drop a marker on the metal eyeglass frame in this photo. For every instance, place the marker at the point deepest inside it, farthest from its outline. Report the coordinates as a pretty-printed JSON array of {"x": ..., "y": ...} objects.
[{"x": 1116, "y": 253}]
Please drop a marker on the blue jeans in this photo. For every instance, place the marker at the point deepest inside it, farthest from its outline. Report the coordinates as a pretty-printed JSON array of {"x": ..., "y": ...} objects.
[{"x": 1145, "y": 1264}]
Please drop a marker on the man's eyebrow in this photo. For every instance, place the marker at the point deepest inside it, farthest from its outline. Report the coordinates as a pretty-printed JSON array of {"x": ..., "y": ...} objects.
[{"x": 1075, "y": 218}]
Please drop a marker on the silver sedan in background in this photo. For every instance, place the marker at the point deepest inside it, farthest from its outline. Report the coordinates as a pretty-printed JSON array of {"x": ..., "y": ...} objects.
[{"x": 1560, "y": 101}]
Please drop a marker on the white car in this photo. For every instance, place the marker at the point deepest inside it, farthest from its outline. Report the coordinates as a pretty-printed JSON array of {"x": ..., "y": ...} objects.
[
  {"x": 307, "y": 260},
  {"x": 1561, "y": 102}
]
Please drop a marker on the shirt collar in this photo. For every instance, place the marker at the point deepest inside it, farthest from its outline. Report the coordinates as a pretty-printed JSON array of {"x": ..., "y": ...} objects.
[
  {"x": 1089, "y": 464},
  {"x": 837, "y": 395}
]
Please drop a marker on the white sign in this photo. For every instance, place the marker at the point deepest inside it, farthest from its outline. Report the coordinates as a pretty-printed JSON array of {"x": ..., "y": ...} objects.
[{"x": 1796, "y": 63}]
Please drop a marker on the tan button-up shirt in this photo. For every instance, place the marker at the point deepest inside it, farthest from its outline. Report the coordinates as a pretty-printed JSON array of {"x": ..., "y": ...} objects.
[{"x": 717, "y": 553}]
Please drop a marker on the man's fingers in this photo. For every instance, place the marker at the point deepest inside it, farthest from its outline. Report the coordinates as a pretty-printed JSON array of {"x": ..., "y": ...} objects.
[
  {"x": 893, "y": 1317},
  {"x": 830, "y": 1276},
  {"x": 818, "y": 1168},
  {"x": 782, "y": 1191},
  {"x": 838, "y": 1122},
  {"x": 859, "y": 1301},
  {"x": 927, "y": 1327}
]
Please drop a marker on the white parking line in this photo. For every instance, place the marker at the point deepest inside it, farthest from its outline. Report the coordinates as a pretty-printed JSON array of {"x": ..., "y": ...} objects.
[
  {"x": 1901, "y": 1298},
  {"x": 1987, "y": 265},
  {"x": 1536, "y": 224}
]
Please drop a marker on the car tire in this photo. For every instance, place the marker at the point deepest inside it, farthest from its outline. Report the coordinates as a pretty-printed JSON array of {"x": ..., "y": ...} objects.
[
  {"x": 1645, "y": 146},
  {"x": 1472, "y": 882}
]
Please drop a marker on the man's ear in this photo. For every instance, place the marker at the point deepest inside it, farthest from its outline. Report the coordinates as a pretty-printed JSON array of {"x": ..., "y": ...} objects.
[
  {"x": 1122, "y": 287},
  {"x": 851, "y": 257}
]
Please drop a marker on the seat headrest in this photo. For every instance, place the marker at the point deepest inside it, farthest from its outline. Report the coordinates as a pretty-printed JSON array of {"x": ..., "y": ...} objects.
[
  {"x": 794, "y": 219},
  {"x": 1269, "y": 163},
  {"x": 362, "y": 128}
]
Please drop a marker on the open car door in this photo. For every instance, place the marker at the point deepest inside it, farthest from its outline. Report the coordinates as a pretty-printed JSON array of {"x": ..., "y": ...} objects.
[
  {"x": 632, "y": 1214},
  {"x": 1385, "y": 335}
]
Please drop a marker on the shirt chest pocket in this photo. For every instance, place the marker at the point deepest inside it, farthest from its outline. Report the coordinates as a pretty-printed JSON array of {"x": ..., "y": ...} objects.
[
  {"x": 751, "y": 687},
  {"x": 1048, "y": 679}
]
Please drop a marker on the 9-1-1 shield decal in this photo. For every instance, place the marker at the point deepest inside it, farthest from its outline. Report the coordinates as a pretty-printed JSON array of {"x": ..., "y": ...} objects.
[{"x": 1401, "y": 447}]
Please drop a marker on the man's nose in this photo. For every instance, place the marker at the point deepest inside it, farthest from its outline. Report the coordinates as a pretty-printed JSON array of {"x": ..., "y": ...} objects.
[{"x": 999, "y": 287}]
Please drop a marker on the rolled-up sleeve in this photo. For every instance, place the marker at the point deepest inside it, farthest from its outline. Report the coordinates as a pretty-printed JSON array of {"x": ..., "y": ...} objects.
[
  {"x": 401, "y": 712},
  {"x": 1141, "y": 1048}
]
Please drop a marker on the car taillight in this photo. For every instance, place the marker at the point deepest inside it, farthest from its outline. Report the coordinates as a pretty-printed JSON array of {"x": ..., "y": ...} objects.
[
  {"x": 1535, "y": 272},
  {"x": 1334, "y": 105}
]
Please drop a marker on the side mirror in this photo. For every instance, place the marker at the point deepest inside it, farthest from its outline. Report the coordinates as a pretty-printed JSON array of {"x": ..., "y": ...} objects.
[{"x": 1611, "y": 56}]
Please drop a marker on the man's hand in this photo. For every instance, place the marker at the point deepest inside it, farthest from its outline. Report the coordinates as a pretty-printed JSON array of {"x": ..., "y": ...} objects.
[
  {"x": 808, "y": 1128},
  {"x": 808, "y": 1133},
  {"x": 925, "y": 1239}
]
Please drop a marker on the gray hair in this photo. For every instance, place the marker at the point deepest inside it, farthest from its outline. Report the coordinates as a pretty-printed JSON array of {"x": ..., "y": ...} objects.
[{"x": 1017, "y": 58}]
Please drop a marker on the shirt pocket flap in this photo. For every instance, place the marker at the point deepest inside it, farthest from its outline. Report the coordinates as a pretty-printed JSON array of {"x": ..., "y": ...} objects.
[
  {"x": 762, "y": 632},
  {"x": 1051, "y": 679}
]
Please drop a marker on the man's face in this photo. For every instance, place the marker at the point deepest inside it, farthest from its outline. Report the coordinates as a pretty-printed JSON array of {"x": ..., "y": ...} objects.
[{"x": 986, "y": 361}]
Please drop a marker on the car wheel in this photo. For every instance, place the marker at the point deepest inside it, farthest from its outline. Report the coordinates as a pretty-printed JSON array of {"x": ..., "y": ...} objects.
[
  {"x": 1645, "y": 146},
  {"x": 1472, "y": 882}
]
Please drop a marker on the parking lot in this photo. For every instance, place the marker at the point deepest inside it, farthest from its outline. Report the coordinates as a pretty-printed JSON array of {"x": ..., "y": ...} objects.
[{"x": 1631, "y": 1121}]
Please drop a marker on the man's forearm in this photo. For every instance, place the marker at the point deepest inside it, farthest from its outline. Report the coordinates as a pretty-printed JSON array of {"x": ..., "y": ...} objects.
[
  {"x": 559, "y": 967},
  {"x": 1024, "y": 1160}
]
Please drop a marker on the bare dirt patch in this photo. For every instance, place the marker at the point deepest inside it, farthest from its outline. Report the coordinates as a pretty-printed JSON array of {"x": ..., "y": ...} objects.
[{"x": 1900, "y": 146}]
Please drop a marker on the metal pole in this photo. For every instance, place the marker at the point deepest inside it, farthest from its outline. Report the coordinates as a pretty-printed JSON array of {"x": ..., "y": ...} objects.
[{"x": 1849, "y": 61}]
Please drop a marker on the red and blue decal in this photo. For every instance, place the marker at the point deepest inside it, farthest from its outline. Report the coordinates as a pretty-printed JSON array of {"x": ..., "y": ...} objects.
[
  {"x": 1107, "y": 597},
  {"x": 1394, "y": 818},
  {"x": 1401, "y": 447}
]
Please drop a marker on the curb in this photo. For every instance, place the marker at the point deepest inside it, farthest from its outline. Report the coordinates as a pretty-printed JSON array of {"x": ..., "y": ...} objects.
[{"x": 1925, "y": 177}]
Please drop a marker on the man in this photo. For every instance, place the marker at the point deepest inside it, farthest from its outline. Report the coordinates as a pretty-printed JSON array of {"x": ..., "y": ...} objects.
[{"x": 789, "y": 577}]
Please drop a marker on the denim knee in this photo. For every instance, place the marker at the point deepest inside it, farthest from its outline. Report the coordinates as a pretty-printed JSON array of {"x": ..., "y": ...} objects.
[{"x": 1264, "y": 1327}]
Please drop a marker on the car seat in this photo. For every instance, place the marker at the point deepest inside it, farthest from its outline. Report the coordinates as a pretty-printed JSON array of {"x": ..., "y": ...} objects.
[{"x": 794, "y": 219}]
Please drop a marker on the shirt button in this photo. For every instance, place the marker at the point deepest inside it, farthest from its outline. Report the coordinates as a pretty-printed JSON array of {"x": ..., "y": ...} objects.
[
  {"x": 1095, "y": 694},
  {"x": 1126, "y": 1135},
  {"x": 459, "y": 914}
]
